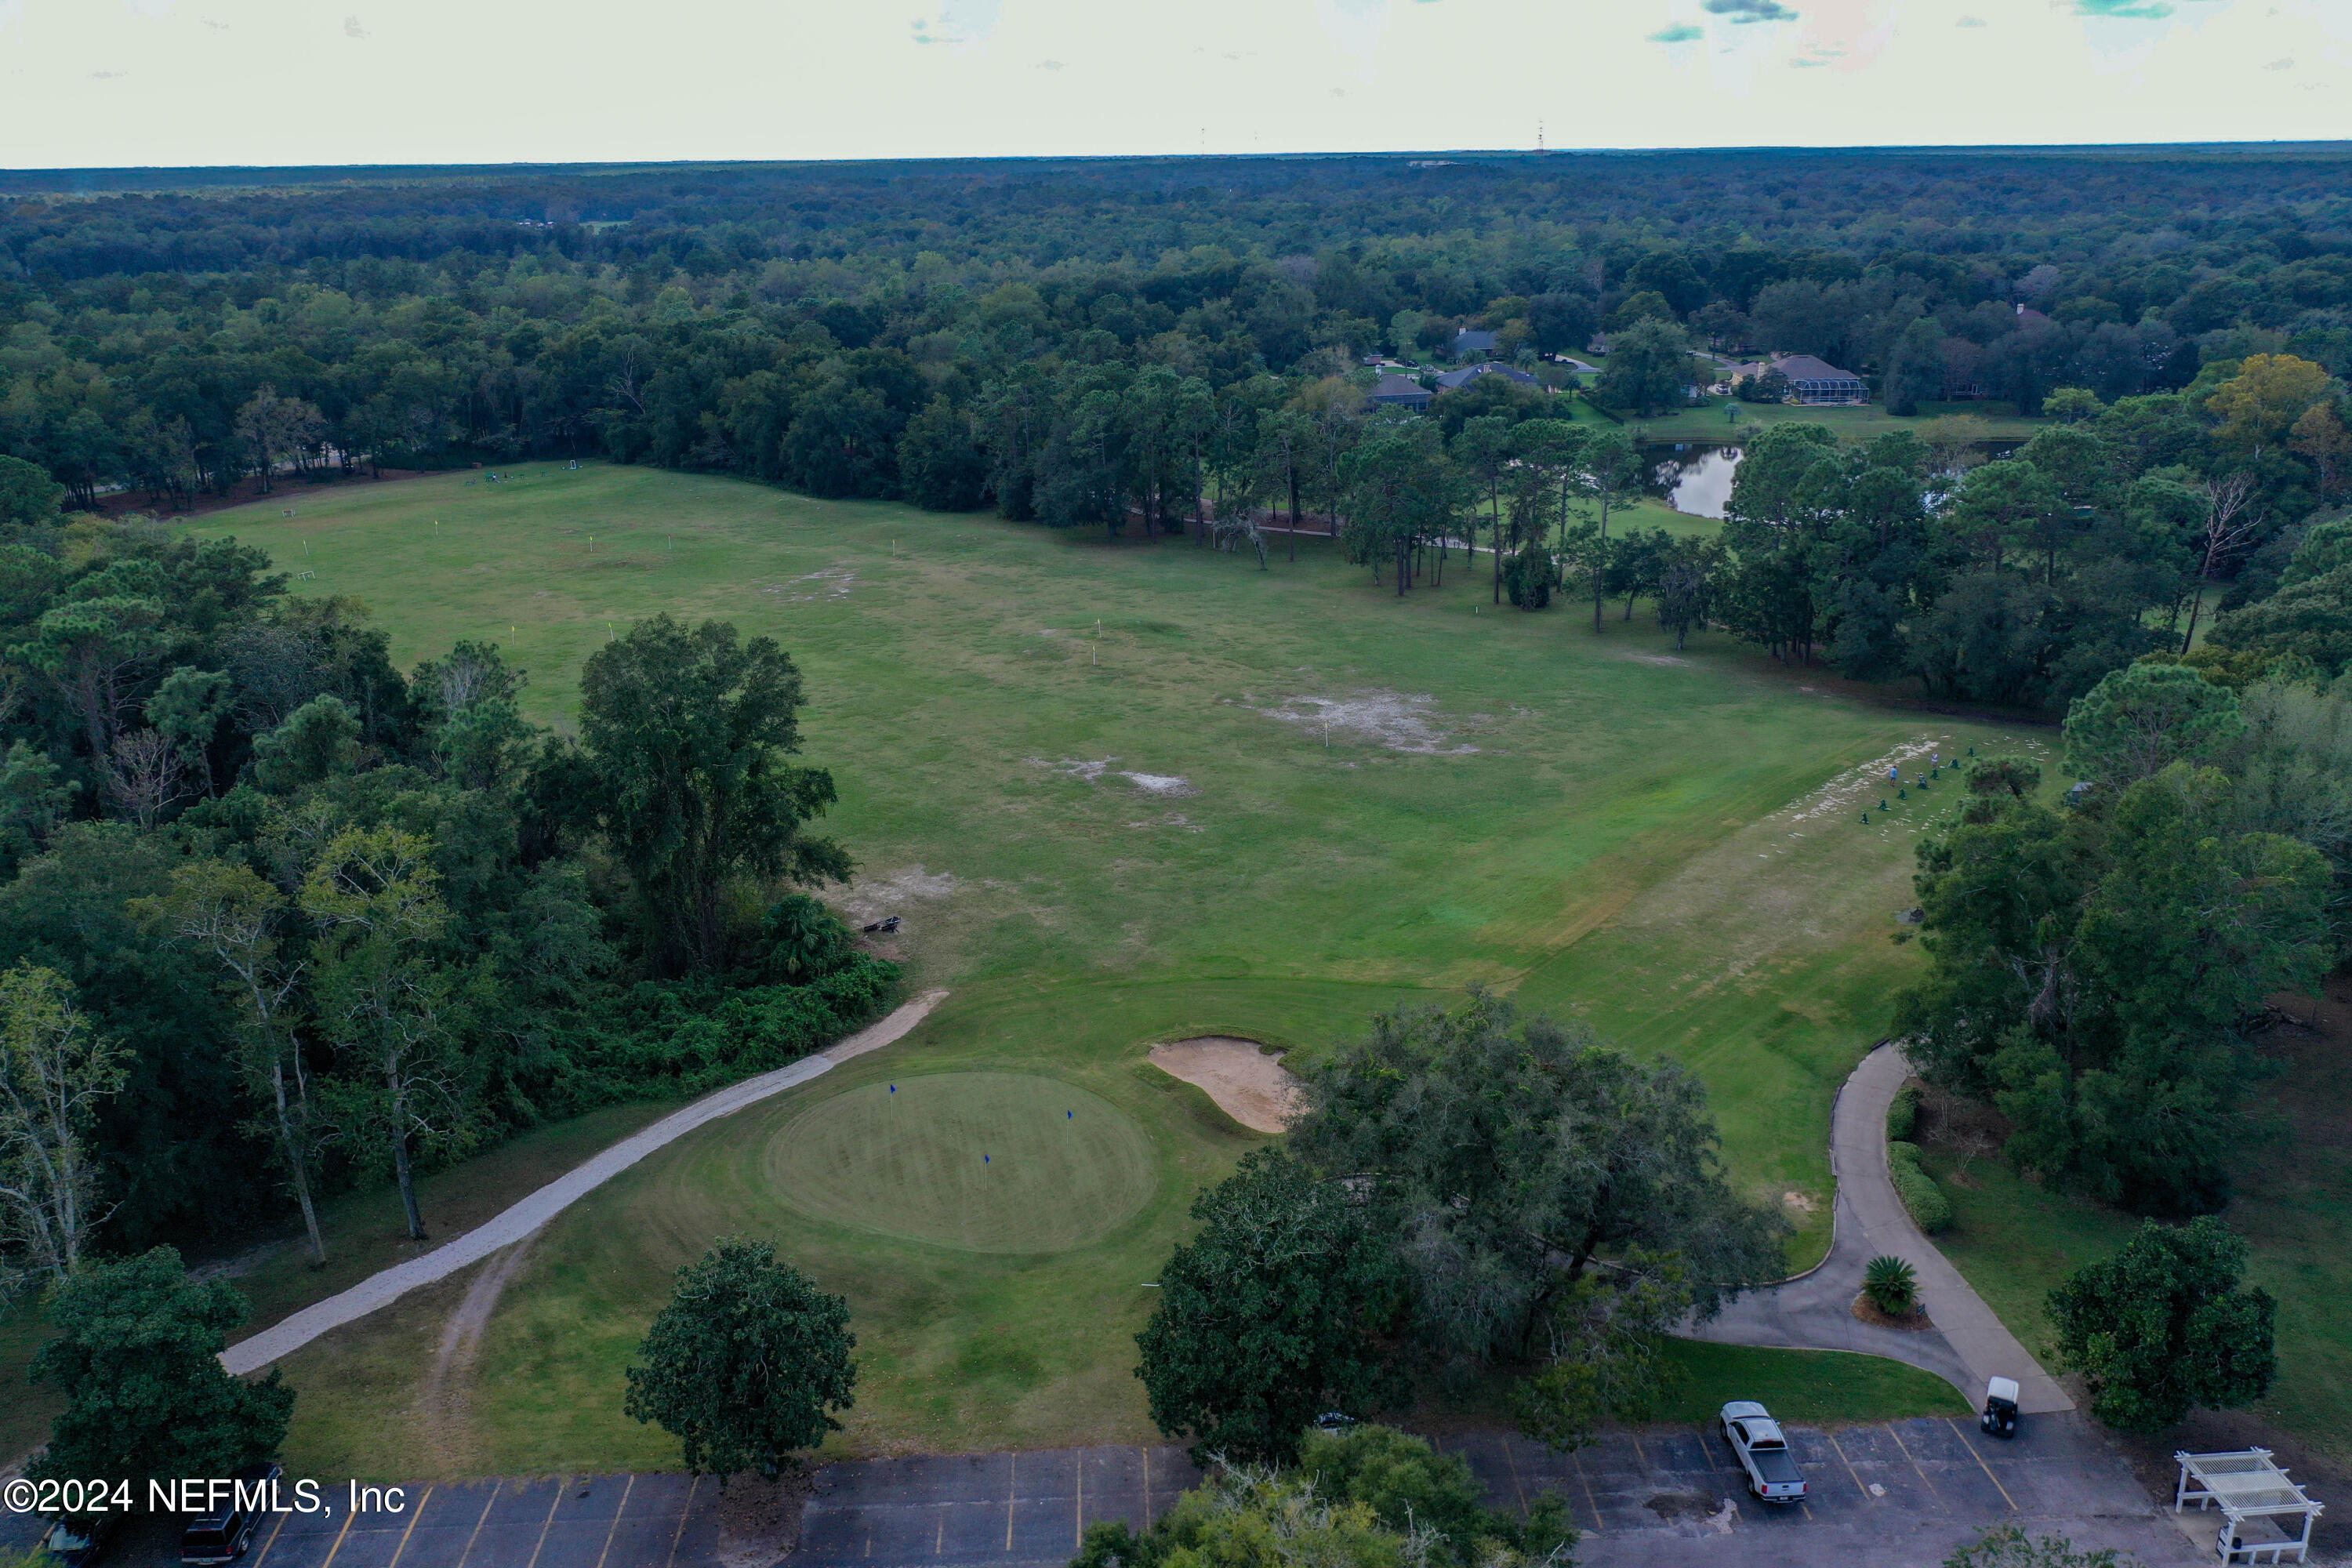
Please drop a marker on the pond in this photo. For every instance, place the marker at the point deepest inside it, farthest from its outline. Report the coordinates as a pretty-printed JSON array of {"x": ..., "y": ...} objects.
[{"x": 1694, "y": 478}]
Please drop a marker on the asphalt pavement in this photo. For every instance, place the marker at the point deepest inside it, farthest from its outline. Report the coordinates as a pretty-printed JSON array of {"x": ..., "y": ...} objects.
[{"x": 1899, "y": 1495}]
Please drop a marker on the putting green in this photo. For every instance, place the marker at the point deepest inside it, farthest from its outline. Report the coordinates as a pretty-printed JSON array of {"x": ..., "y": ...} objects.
[{"x": 987, "y": 1161}]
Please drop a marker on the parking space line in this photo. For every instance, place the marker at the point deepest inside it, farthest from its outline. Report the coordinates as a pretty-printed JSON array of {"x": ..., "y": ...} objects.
[
  {"x": 1147, "y": 1486},
  {"x": 1637, "y": 1452},
  {"x": 338, "y": 1546},
  {"x": 271, "y": 1541},
  {"x": 616, "y": 1523},
  {"x": 1078, "y": 1535},
  {"x": 486, "y": 1504},
  {"x": 1512, "y": 1460},
  {"x": 1586, "y": 1481},
  {"x": 412, "y": 1528},
  {"x": 1971, "y": 1447},
  {"x": 1847, "y": 1462},
  {"x": 562, "y": 1482},
  {"x": 939, "y": 1542},
  {"x": 1915, "y": 1466},
  {"x": 1011, "y": 1494},
  {"x": 685, "y": 1510}
]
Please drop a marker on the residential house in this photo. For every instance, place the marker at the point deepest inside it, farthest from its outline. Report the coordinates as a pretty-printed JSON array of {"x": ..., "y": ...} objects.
[
  {"x": 1401, "y": 391},
  {"x": 1467, "y": 342},
  {"x": 1810, "y": 380},
  {"x": 1470, "y": 373}
]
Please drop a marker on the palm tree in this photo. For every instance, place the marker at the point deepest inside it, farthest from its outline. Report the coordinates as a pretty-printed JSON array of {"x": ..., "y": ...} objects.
[{"x": 1891, "y": 1285}]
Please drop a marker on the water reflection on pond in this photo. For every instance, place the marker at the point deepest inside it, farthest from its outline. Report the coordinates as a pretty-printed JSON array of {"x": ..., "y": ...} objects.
[{"x": 1694, "y": 479}]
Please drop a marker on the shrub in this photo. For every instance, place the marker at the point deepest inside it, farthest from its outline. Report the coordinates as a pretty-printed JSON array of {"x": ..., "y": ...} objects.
[
  {"x": 1902, "y": 1116},
  {"x": 1891, "y": 1285},
  {"x": 1930, "y": 1209}
]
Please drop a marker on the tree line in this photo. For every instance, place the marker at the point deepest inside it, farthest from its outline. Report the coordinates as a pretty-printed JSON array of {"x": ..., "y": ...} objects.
[{"x": 276, "y": 920}]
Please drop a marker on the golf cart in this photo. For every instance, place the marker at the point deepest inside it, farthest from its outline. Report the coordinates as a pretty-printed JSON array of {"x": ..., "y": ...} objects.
[{"x": 1999, "y": 1418}]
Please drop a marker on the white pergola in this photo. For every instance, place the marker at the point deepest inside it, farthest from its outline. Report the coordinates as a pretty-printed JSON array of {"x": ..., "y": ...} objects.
[{"x": 2256, "y": 1498}]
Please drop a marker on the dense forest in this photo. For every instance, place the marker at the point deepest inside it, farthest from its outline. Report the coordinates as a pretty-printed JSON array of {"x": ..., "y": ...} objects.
[{"x": 306, "y": 921}]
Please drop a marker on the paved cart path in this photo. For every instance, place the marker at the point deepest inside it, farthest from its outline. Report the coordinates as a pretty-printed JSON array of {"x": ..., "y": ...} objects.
[
  {"x": 382, "y": 1289},
  {"x": 1814, "y": 1311}
]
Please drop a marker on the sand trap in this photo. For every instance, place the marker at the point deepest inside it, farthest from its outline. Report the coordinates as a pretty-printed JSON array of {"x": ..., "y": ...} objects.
[{"x": 1248, "y": 1085}]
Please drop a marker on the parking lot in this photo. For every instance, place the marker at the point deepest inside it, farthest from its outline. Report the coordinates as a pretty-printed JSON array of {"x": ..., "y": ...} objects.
[{"x": 1900, "y": 1495}]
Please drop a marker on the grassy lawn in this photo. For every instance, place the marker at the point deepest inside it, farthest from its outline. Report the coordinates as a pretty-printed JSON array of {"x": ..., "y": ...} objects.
[
  {"x": 1097, "y": 781},
  {"x": 2015, "y": 1241}
]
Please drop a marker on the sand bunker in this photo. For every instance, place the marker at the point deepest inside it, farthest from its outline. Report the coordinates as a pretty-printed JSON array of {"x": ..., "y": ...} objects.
[
  {"x": 1389, "y": 719},
  {"x": 1247, "y": 1084}
]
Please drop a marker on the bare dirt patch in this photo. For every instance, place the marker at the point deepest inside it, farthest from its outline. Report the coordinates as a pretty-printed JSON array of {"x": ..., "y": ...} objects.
[
  {"x": 759, "y": 1521},
  {"x": 445, "y": 1402},
  {"x": 1248, "y": 1085},
  {"x": 1394, "y": 720},
  {"x": 870, "y": 897}
]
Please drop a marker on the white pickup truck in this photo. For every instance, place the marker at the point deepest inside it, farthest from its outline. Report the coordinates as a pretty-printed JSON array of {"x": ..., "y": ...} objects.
[{"x": 1762, "y": 1449}]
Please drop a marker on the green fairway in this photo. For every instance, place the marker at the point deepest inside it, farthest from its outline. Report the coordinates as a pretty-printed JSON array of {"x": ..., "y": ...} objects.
[
  {"x": 990, "y": 1161},
  {"x": 1124, "y": 792}
]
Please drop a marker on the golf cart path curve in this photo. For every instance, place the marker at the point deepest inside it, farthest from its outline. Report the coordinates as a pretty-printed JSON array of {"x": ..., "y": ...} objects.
[
  {"x": 514, "y": 1224},
  {"x": 1814, "y": 1311}
]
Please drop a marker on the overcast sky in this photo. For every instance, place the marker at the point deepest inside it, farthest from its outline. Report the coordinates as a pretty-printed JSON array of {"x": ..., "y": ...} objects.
[{"x": 110, "y": 82}]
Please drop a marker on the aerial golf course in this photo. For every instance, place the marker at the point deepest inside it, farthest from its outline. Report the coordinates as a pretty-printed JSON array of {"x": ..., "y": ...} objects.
[{"x": 1122, "y": 794}]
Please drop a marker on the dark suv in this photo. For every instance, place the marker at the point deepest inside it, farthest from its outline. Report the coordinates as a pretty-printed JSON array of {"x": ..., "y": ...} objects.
[{"x": 222, "y": 1537}]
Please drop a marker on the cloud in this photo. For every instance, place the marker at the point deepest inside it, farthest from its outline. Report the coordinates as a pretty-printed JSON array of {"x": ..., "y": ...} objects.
[
  {"x": 1048, "y": 65},
  {"x": 1969, "y": 22},
  {"x": 1807, "y": 65},
  {"x": 2284, "y": 65},
  {"x": 1743, "y": 12},
  {"x": 1680, "y": 33},
  {"x": 2125, "y": 10},
  {"x": 108, "y": 76},
  {"x": 352, "y": 29}
]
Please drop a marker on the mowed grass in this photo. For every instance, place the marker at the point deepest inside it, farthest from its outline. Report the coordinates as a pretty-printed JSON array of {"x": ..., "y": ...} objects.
[
  {"x": 1667, "y": 846},
  {"x": 988, "y": 1161}
]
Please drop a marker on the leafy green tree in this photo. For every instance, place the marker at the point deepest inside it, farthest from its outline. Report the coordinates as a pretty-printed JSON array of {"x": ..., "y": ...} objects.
[
  {"x": 1272, "y": 1314},
  {"x": 137, "y": 1358},
  {"x": 382, "y": 999},
  {"x": 1411, "y": 1488},
  {"x": 1513, "y": 1157},
  {"x": 680, "y": 768},
  {"x": 188, "y": 709},
  {"x": 27, "y": 494},
  {"x": 94, "y": 651},
  {"x": 2093, "y": 974},
  {"x": 319, "y": 741},
  {"x": 806, "y": 941},
  {"x": 747, "y": 1363},
  {"x": 1371, "y": 1498},
  {"x": 1649, "y": 365},
  {"x": 1400, "y": 493},
  {"x": 2008, "y": 1546},
  {"x": 239, "y": 920},
  {"x": 1915, "y": 369},
  {"x": 1482, "y": 453},
  {"x": 2010, "y": 507},
  {"x": 34, "y": 799},
  {"x": 940, "y": 465},
  {"x": 2165, "y": 1326},
  {"x": 54, "y": 1072},
  {"x": 2144, "y": 718},
  {"x": 2070, "y": 405},
  {"x": 1604, "y": 1359},
  {"x": 2310, "y": 619}
]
